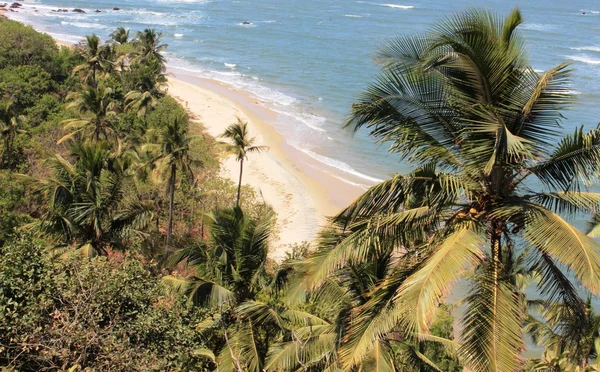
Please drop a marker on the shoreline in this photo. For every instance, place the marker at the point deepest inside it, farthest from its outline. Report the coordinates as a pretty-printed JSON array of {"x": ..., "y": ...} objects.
[{"x": 300, "y": 192}]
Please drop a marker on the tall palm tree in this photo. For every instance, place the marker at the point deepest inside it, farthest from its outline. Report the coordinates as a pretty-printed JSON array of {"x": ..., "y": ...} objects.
[
  {"x": 241, "y": 145},
  {"x": 97, "y": 58},
  {"x": 85, "y": 200},
  {"x": 493, "y": 174},
  {"x": 120, "y": 35},
  {"x": 10, "y": 128},
  {"x": 150, "y": 47},
  {"x": 96, "y": 107},
  {"x": 148, "y": 90},
  {"x": 170, "y": 145},
  {"x": 230, "y": 272}
]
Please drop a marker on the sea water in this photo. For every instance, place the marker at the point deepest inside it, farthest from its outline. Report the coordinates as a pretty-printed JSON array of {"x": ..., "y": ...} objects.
[{"x": 309, "y": 60}]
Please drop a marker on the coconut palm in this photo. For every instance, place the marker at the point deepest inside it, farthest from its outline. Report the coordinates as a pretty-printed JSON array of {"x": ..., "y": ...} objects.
[
  {"x": 150, "y": 47},
  {"x": 148, "y": 90},
  {"x": 10, "y": 128},
  {"x": 96, "y": 107},
  {"x": 170, "y": 146},
  {"x": 355, "y": 286},
  {"x": 241, "y": 145},
  {"x": 120, "y": 35},
  {"x": 86, "y": 209},
  {"x": 97, "y": 58},
  {"x": 567, "y": 345},
  {"x": 493, "y": 176},
  {"x": 230, "y": 270}
]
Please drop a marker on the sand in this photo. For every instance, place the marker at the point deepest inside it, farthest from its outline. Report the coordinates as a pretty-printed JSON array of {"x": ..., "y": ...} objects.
[{"x": 301, "y": 194}]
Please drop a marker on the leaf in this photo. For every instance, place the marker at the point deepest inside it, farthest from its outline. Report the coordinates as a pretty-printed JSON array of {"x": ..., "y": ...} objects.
[
  {"x": 492, "y": 338},
  {"x": 549, "y": 233},
  {"x": 419, "y": 295},
  {"x": 380, "y": 359},
  {"x": 205, "y": 353}
]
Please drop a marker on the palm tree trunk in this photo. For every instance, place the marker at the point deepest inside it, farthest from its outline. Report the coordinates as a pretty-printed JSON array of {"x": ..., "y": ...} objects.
[
  {"x": 496, "y": 247},
  {"x": 240, "y": 183},
  {"x": 171, "y": 200}
]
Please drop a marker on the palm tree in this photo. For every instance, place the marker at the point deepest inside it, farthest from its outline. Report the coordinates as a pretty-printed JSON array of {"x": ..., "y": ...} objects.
[
  {"x": 567, "y": 345},
  {"x": 241, "y": 146},
  {"x": 337, "y": 302},
  {"x": 231, "y": 270},
  {"x": 150, "y": 47},
  {"x": 96, "y": 106},
  {"x": 85, "y": 201},
  {"x": 171, "y": 146},
  {"x": 481, "y": 127},
  {"x": 120, "y": 35},
  {"x": 148, "y": 90},
  {"x": 10, "y": 123},
  {"x": 97, "y": 58}
]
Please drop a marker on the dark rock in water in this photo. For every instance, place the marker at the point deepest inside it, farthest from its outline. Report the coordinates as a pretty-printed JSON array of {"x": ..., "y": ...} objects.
[
  {"x": 97, "y": 11},
  {"x": 15, "y": 5},
  {"x": 3, "y": 5},
  {"x": 116, "y": 8},
  {"x": 77, "y": 10},
  {"x": 246, "y": 23}
]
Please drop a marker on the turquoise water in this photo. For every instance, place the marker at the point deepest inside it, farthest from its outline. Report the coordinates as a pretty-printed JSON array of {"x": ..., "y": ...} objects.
[{"x": 309, "y": 59}]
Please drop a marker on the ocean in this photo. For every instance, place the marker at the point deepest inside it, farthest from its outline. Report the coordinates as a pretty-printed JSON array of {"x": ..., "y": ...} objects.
[{"x": 308, "y": 60}]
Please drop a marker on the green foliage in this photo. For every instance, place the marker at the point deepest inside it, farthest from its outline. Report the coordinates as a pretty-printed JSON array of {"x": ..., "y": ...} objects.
[
  {"x": 436, "y": 352},
  {"x": 98, "y": 314},
  {"x": 12, "y": 212},
  {"x": 22, "y": 45},
  {"x": 85, "y": 201},
  {"x": 24, "y": 85}
]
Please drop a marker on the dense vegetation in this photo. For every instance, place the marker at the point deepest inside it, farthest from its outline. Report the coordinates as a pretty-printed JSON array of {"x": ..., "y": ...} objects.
[{"x": 121, "y": 248}]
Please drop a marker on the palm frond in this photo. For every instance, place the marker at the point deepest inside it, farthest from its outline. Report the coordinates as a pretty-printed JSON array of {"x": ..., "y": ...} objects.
[
  {"x": 549, "y": 233},
  {"x": 492, "y": 337}
]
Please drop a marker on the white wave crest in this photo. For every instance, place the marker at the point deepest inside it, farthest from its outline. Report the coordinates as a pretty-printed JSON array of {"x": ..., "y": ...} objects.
[
  {"x": 585, "y": 59},
  {"x": 398, "y": 6},
  {"x": 353, "y": 16},
  {"x": 84, "y": 25},
  {"x": 339, "y": 165},
  {"x": 592, "y": 48},
  {"x": 537, "y": 26}
]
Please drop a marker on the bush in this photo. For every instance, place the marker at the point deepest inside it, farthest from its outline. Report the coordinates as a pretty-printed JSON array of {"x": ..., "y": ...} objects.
[
  {"x": 22, "y": 45},
  {"x": 97, "y": 314},
  {"x": 24, "y": 85}
]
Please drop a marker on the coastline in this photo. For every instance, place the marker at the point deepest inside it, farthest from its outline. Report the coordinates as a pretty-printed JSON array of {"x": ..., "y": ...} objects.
[{"x": 301, "y": 193}]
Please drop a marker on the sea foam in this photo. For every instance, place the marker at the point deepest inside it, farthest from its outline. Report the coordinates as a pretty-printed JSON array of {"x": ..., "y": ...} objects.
[
  {"x": 340, "y": 165},
  {"x": 585, "y": 59},
  {"x": 398, "y": 6}
]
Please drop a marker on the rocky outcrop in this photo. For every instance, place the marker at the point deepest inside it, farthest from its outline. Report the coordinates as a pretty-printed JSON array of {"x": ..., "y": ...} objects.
[
  {"x": 15, "y": 5},
  {"x": 77, "y": 10},
  {"x": 116, "y": 9}
]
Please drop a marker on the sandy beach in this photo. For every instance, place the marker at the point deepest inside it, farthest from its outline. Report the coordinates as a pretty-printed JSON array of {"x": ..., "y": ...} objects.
[{"x": 301, "y": 195}]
